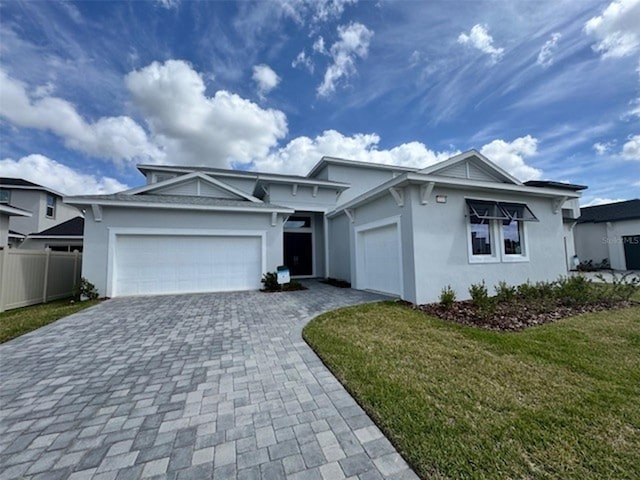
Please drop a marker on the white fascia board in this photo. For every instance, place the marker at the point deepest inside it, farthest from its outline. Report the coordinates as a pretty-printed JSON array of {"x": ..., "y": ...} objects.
[
  {"x": 303, "y": 181},
  {"x": 478, "y": 184},
  {"x": 174, "y": 206},
  {"x": 451, "y": 182},
  {"x": 14, "y": 211}
]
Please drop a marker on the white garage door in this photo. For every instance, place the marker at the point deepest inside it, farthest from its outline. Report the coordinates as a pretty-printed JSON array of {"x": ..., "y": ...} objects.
[
  {"x": 157, "y": 264},
  {"x": 379, "y": 265}
]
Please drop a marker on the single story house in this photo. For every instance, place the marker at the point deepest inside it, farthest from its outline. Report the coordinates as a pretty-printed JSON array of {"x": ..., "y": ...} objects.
[
  {"x": 64, "y": 237},
  {"x": 406, "y": 232},
  {"x": 611, "y": 232}
]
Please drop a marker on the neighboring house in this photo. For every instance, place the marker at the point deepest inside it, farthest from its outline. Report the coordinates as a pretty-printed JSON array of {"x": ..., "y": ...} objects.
[
  {"x": 6, "y": 212},
  {"x": 45, "y": 205},
  {"x": 612, "y": 232},
  {"x": 64, "y": 237},
  {"x": 402, "y": 231}
]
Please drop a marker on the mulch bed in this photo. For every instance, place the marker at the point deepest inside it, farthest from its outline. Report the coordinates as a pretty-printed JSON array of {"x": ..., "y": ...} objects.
[{"x": 514, "y": 315}]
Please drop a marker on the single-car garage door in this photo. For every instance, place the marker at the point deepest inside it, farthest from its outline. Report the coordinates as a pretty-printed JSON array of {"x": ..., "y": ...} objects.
[
  {"x": 379, "y": 263},
  {"x": 159, "y": 264}
]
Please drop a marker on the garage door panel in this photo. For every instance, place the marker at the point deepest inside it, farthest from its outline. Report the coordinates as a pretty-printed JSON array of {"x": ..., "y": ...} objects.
[
  {"x": 379, "y": 264},
  {"x": 156, "y": 264}
]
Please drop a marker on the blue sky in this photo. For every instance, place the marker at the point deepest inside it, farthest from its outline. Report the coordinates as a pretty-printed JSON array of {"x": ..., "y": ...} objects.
[{"x": 548, "y": 90}]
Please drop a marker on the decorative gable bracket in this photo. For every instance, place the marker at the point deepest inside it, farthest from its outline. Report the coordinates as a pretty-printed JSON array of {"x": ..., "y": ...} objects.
[
  {"x": 97, "y": 212},
  {"x": 425, "y": 192},
  {"x": 274, "y": 219},
  {"x": 350, "y": 213},
  {"x": 558, "y": 202},
  {"x": 398, "y": 195}
]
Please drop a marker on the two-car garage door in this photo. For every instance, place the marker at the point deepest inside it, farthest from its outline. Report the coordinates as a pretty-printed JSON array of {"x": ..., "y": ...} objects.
[{"x": 157, "y": 264}]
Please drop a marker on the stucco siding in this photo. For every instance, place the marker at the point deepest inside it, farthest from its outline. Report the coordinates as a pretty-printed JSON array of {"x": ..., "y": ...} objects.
[
  {"x": 339, "y": 248},
  {"x": 361, "y": 179},
  {"x": 96, "y": 242},
  {"x": 614, "y": 240},
  {"x": 35, "y": 201},
  {"x": 4, "y": 230},
  {"x": 441, "y": 246},
  {"x": 590, "y": 241}
]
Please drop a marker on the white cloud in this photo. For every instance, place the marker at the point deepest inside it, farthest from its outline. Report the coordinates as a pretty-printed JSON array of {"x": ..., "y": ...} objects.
[
  {"x": 353, "y": 43},
  {"x": 631, "y": 149},
  {"x": 266, "y": 79},
  {"x": 511, "y": 156},
  {"x": 302, "y": 60},
  {"x": 602, "y": 148},
  {"x": 318, "y": 46},
  {"x": 616, "y": 29},
  {"x": 197, "y": 129},
  {"x": 328, "y": 9},
  {"x": 49, "y": 173},
  {"x": 479, "y": 38},
  {"x": 302, "y": 153},
  {"x": 116, "y": 138},
  {"x": 548, "y": 50},
  {"x": 602, "y": 201}
]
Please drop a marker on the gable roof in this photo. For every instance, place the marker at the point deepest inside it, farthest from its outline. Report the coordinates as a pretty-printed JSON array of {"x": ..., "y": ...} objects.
[
  {"x": 70, "y": 228},
  {"x": 188, "y": 177},
  {"x": 611, "y": 212},
  {"x": 356, "y": 163},
  {"x": 479, "y": 160},
  {"x": 22, "y": 184}
]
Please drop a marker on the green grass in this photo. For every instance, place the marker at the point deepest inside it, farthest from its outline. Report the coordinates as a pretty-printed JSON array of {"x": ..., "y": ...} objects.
[
  {"x": 14, "y": 323},
  {"x": 556, "y": 401}
]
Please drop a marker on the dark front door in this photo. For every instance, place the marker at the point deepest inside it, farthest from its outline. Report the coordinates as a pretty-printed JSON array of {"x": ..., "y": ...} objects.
[
  {"x": 298, "y": 252},
  {"x": 632, "y": 251}
]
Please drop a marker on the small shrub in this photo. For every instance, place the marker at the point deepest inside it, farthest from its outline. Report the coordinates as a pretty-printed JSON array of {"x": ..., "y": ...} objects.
[
  {"x": 505, "y": 292},
  {"x": 575, "y": 290},
  {"x": 447, "y": 297},
  {"x": 527, "y": 291},
  {"x": 293, "y": 285},
  {"x": 86, "y": 289},
  {"x": 270, "y": 282},
  {"x": 622, "y": 287},
  {"x": 480, "y": 295}
]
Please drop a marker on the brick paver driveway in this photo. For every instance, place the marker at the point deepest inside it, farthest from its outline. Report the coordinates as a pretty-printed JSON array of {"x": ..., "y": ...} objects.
[{"x": 186, "y": 387}]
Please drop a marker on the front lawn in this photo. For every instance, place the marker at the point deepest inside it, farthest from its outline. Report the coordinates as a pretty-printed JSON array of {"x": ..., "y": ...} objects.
[
  {"x": 560, "y": 400},
  {"x": 14, "y": 323}
]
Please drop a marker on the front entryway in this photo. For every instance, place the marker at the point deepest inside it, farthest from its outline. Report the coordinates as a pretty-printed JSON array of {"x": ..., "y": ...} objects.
[{"x": 298, "y": 245}]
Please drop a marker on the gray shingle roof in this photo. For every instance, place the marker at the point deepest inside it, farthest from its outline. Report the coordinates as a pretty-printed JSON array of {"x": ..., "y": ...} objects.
[
  {"x": 70, "y": 228},
  {"x": 611, "y": 212}
]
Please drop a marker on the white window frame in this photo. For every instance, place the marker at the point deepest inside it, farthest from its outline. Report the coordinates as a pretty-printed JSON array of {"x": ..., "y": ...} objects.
[
  {"x": 515, "y": 257},
  {"x": 473, "y": 258},
  {"x": 498, "y": 254},
  {"x": 54, "y": 207}
]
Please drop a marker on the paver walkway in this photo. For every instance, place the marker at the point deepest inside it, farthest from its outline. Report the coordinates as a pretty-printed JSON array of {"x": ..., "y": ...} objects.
[{"x": 186, "y": 387}]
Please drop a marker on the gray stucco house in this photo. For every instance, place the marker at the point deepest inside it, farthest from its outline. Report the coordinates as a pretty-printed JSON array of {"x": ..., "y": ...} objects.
[
  {"x": 44, "y": 207},
  {"x": 612, "y": 232},
  {"x": 403, "y": 231}
]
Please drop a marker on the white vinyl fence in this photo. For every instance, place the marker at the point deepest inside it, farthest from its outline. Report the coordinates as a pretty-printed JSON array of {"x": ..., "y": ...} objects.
[{"x": 28, "y": 277}]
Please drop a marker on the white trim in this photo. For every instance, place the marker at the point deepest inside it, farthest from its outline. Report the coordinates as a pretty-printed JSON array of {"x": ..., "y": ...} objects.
[
  {"x": 174, "y": 206},
  {"x": 325, "y": 227},
  {"x": 113, "y": 232},
  {"x": 515, "y": 257},
  {"x": 493, "y": 258},
  {"x": 362, "y": 229},
  {"x": 55, "y": 237},
  {"x": 12, "y": 211}
]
